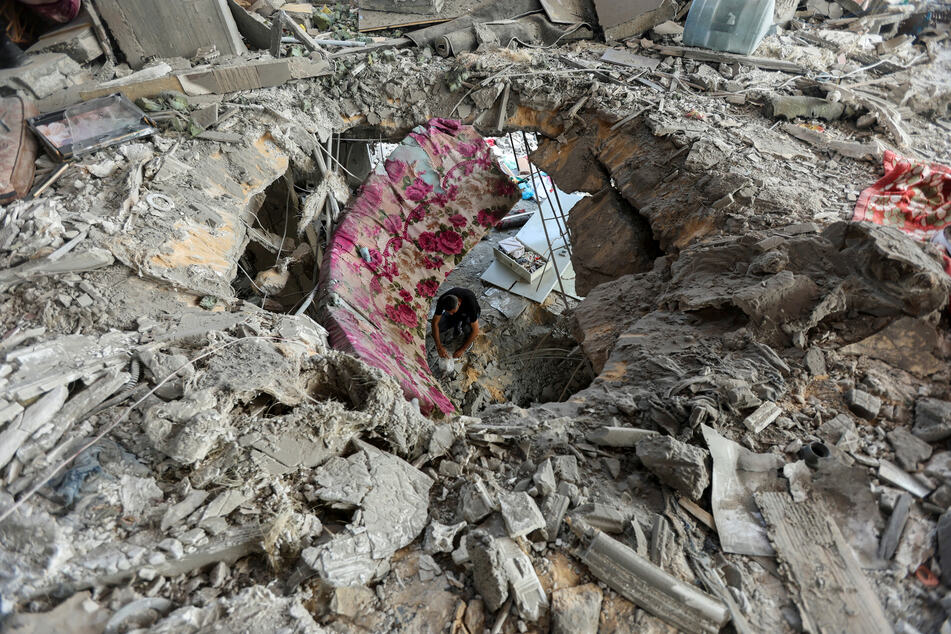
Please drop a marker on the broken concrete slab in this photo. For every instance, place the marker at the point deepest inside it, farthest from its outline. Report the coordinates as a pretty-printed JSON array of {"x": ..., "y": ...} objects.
[
  {"x": 553, "y": 509},
  {"x": 544, "y": 478},
  {"x": 907, "y": 343},
  {"x": 910, "y": 450},
  {"x": 476, "y": 502},
  {"x": 794, "y": 106},
  {"x": 676, "y": 464},
  {"x": 932, "y": 419},
  {"x": 896, "y": 524},
  {"x": 29, "y": 421},
  {"x": 439, "y": 537},
  {"x": 863, "y": 404},
  {"x": 145, "y": 30},
  {"x": 944, "y": 546},
  {"x": 520, "y": 513},
  {"x": 894, "y": 475}
]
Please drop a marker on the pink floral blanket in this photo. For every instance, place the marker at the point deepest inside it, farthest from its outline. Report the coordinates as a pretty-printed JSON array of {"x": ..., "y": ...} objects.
[{"x": 416, "y": 216}]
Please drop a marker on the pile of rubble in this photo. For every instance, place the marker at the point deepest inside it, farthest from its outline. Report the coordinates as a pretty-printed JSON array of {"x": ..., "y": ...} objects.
[{"x": 763, "y": 445}]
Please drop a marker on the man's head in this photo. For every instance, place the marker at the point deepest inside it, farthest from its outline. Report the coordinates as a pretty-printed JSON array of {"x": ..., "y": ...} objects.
[{"x": 453, "y": 304}]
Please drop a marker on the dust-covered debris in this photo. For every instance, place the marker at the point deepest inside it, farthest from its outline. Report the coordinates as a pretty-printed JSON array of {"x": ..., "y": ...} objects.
[{"x": 182, "y": 449}]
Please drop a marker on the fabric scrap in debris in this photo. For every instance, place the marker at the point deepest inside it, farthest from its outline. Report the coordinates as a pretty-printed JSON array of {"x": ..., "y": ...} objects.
[{"x": 913, "y": 195}]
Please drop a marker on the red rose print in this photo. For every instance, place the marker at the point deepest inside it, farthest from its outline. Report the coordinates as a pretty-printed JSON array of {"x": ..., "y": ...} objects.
[
  {"x": 428, "y": 242},
  {"x": 449, "y": 242},
  {"x": 405, "y": 295},
  {"x": 427, "y": 288},
  {"x": 418, "y": 190},
  {"x": 485, "y": 218},
  {"x": 458, "y": 220}
]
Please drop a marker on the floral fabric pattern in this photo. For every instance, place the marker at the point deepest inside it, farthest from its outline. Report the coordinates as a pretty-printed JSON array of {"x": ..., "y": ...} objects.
[
  {"x": 913, "y": 195},
  {"x": 417, "y": 215}
]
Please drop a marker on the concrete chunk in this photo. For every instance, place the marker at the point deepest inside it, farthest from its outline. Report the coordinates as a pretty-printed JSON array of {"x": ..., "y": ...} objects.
[
  {"x": 676, "y": 464},
  {"x": 618, "y": 436},
  {"x": 553, "y": 509},
  {"x": 544, "y": 478},
  {"x": 863, "y": 404},
  {"x": 932, "y": 419},
  {"x": 909, "y": 449},
  {"x": 520, "y": 513},
  {"x": 762, "y": 417},
  {"x": 475, "y": 501},
  {"x": 28, "y": 422},
  {"x": 439, "y": 537}
]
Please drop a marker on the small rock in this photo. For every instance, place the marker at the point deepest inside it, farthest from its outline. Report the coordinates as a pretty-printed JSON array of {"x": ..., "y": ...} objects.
[
  {"x": 816, "y": 362},
  {"x": 942, "y": 496},
  {"x": 439, "y": 537},
  {"x": 576, "y": 610},
  {"x": 863, "y": 403},
  {"x": 173, "y": 547},
  {"x": 613, "y": 466},
  {"x": 932, "y": 419},
  {"x": 544, "y": 478},
  {"x": 474, "y": 620},
  {"x": 218, "y": 575},
  {"x": 909, "y": 449},
  {"x": 676, "y": 464}
]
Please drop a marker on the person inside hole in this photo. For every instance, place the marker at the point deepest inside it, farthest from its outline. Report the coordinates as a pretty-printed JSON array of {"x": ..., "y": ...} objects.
[{"x": 457, "y": 316}]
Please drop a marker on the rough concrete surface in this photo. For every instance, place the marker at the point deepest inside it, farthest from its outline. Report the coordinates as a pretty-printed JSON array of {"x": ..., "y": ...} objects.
[{"x": 186, "y": 450}]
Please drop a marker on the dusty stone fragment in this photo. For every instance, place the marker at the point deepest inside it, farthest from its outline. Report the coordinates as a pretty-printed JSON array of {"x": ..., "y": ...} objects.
[
  {"x": 566, "y": 468},
  {"x": 344, "y": 481},
  {"x": 524, "y": 585},
  {"x": 488, "y": 576},
  {"x": 140, "y": 613},
  {"x": 606, "y": 518},
  {"x": 187, "y": 429},
  {"x": 939, "y": 466},
  {"x": 863, "y": 403},
  {"x": 676, "y": 464},
  {"x": 834, "y": 430},
  {"x": 178, "y": 512},
  {"x": 222, "y": 505},
  {"x": 553, "y": 509},
  {"x": 815, "y": 362},
  {"x": 475, "y": 501},
  {"x": 909, "y": 449},
  {"x": 768, "y": 263},
  {"x": 520, "y": 513},
  {"x": 576, "y": 610},
  {"x": 941, "y": 496},
  {"x": 439, "y": 537},
  {"x": 762, "y": 417},
  {"x": 163, "y": 366},
  {"x": 218, "y": 575},
  {"x": 544, "y": 478},
  {"x": 618, "y": 436},
  {"x": 932, "y": 419},
  {"x": 944, "y": 546}
]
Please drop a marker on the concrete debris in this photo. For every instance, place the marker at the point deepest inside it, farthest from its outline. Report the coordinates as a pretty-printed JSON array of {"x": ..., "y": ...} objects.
[
  {"x": 649, "y": 587},
  {"x": 910, "y": 450},
  {"x": 520, "y": 513},
  {"x": 863, "y": 404},
  {"x": 676, "y": 464},
  {"x": 738, "y": 315},
  {"x": 932, "y": 419}
]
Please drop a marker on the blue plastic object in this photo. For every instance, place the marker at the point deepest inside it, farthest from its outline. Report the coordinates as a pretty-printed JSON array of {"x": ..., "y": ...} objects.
[{"x": 732, "y": 26}]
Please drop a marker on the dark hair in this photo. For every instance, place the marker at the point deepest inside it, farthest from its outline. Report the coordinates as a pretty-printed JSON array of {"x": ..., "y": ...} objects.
[{"x": 453, "y": 302}]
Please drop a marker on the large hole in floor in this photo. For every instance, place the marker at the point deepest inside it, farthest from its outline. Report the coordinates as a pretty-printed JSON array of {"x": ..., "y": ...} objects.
[{"x": 528, "y": 353}]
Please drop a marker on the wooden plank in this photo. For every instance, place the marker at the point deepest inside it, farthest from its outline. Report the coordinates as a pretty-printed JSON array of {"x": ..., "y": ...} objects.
[{"x": 823, "y": 575}]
